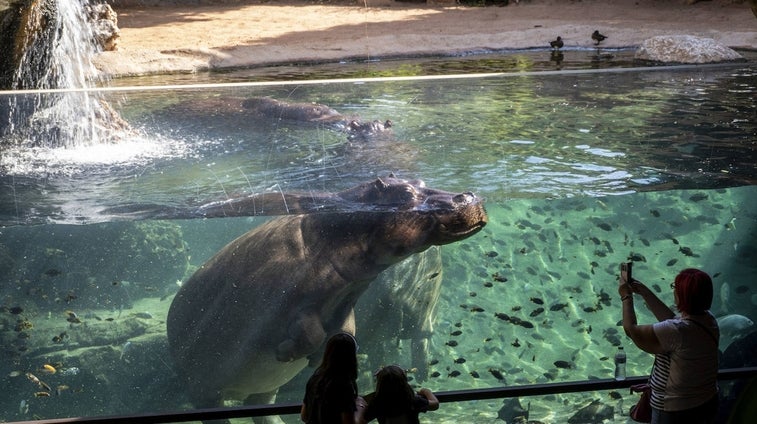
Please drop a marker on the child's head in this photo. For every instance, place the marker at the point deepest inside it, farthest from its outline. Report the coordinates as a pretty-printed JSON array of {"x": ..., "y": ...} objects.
[{"x": 392, "y": 386}]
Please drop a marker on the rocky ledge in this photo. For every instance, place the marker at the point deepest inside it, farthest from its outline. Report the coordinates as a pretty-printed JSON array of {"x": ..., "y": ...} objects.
[{"x": 685, "y": 49}]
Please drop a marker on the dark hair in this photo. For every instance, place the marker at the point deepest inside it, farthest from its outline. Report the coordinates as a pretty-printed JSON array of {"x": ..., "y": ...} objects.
[
  {"x": 340, "y": 357},
  {"x": 394, "y": 396},
  {"x": 694, "y": 290},
  {"x": 338, "y": 369}
]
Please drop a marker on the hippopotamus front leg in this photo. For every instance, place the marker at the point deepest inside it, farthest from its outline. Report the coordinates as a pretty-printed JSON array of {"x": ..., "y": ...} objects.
[
  {"x": 264, "y": 399},
  {"x": 306, "y": 335}
]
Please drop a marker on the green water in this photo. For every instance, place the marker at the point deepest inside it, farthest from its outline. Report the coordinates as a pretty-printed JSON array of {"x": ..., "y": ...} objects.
[{"x": 534, "y": 253}]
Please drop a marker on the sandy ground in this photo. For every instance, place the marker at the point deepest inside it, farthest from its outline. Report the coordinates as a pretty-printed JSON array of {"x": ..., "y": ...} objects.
[{"x": 224, "y": 33}]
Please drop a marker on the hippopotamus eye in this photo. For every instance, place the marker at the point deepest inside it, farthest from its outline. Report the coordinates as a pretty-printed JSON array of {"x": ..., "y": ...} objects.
[{"x": 464, "y": 198}]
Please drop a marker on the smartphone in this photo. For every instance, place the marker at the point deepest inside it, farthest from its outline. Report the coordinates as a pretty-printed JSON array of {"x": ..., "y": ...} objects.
[{"x": 625, "y": 271}]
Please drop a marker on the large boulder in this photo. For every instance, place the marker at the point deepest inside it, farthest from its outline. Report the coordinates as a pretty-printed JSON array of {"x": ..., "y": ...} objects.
[{"x": 684, "y": 49}]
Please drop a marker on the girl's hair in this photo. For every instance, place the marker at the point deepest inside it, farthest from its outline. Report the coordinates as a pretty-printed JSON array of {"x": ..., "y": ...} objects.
[
  {"x": 394, "y": 395},
  {"x": 694, "y": 290},
  {"x": 340, "y": 357}
]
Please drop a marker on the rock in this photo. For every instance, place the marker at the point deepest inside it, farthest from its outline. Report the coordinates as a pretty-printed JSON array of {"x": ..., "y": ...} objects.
[
  {"x": 104, "y": 26},
  {"x": 684, "y": 49}
]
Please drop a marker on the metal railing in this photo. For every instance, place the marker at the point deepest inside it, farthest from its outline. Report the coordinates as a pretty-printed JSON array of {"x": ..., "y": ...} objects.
[{"x": 444, "y": 397}]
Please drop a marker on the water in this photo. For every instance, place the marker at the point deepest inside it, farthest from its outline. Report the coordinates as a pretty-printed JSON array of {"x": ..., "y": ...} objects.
[{"x": 580, "y": 171}]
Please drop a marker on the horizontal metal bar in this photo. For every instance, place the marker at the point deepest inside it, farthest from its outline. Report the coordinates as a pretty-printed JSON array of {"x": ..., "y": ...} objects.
[{"x": 445, "y": 397}]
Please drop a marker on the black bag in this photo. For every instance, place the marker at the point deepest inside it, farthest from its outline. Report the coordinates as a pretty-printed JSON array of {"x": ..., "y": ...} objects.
[{"x": 642, "y": 411}]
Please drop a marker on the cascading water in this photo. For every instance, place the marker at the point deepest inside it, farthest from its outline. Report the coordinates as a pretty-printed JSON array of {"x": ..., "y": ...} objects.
[{"x": 58, "y": 45}]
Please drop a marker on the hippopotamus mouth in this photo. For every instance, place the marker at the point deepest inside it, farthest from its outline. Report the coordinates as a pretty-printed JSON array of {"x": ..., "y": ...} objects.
[{"x": 459, "y": 219}]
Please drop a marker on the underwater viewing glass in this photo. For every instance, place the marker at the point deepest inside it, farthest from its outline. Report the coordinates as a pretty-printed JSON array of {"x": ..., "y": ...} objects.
[{"x": 578, "y": 170}]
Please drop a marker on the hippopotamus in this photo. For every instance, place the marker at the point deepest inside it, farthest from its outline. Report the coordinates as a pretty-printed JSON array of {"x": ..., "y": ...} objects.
[
  {"x": 404, "y": 299},
  {"x": 255, "y": 314},
  {"x": 317, "y": 113}
]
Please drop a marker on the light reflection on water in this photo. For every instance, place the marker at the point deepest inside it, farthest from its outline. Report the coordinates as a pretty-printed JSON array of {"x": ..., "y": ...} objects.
[{"x": 512, "y": 136}]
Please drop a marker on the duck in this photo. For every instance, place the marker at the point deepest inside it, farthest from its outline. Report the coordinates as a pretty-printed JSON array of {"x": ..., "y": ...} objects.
[
  {"x": 557, "y": 43},
  {"x": 596, "y": 36}
]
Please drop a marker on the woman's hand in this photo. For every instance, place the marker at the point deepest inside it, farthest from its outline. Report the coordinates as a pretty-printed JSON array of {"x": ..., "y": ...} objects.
[
  {"x": 624, "y": 288},
  {"x": 639, "y": 287}
]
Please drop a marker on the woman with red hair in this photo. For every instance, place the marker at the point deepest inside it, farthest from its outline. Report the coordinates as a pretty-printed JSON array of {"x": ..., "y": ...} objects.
[{"x": 684, "y": 375}]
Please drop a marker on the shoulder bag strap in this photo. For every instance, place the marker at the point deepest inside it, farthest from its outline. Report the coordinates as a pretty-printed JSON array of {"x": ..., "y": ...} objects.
[{"x": 712, "y": 336}]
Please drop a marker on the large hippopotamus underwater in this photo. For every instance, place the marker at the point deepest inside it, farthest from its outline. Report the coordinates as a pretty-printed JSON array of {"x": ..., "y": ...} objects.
[{"x": 255, "y": 314}]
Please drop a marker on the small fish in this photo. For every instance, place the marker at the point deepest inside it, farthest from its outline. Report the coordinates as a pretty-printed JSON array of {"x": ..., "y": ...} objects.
[
  {"x": 604, "y": 226},
  {"x": 537, "y": 301},
  {"x": 454, "y": 373},
  {"x": 14, "y": 374},
  {"x": 488, "y": 284},
  {"x": 33, "y": 378},
  {"x": 497, "y": 374},
  {"x": 41, "y": 394},
  {"x": 597, "y": 37},
  {"x": 557, "y": 43},
  {"x": 72, "y": 317},
  {"x": 558, "y": 307},
  {"x": 499, "y": 278},
  {"x": 125, "y": 349},
  {"x": 526, "y": 324},
  {"x": 563, "y": 364},
  {"x": 49, "y": 369},
  {"x": 451, "y": 343},
  {"x": 60, "y": 337},
  {"x": 52, "y": 272},
  {"x": 460, "y": 360},
  {"x": 15, "y": 310},
  {"x": 435, "y": 374},
  {"x": 474, "y": 374},
  {"x": 516, "y": 343},
  {"x": 456, "y": 333}
]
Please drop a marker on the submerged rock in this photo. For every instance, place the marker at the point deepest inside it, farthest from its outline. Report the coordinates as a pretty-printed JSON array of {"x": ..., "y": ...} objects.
[{"x": 685, "y": 49}]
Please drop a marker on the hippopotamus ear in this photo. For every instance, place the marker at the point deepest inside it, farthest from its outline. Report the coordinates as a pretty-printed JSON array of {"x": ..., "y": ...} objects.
[{"x": 380, "y": 185}]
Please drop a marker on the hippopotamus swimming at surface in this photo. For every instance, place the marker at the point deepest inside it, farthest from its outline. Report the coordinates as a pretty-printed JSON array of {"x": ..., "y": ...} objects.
[
  {"x": 252, "y": 317},
  {"x": 355, "y": 128}
]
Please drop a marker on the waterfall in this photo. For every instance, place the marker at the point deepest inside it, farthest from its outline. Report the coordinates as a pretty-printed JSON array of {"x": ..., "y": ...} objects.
[{"x": 59, "y": 44}]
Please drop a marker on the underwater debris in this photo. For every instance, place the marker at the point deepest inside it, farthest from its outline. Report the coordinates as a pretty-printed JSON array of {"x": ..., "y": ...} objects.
[{"x": 68, "y": 372}]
